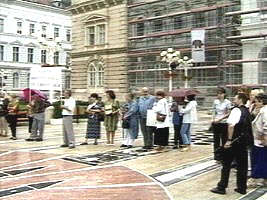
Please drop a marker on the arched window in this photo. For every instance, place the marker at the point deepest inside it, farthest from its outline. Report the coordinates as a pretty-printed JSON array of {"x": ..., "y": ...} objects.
[
  {"x": 100, "y": 69},
  {"x": 263, "y": 66},
  {"x": 96, "y": 74},
  {"x": 67, "y": 82},
  {"x": 16, "y": 80},
  {"x": 91, "y": 75}
]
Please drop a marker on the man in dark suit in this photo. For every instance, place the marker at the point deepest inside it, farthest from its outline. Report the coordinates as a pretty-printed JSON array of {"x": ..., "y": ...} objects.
[{"x": 235, "y": 148}]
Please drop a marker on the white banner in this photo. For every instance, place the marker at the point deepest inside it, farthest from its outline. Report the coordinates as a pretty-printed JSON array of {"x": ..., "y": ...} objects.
[
  {"x": 49, "y": 78},
  {"x": 198, "y": 45}
]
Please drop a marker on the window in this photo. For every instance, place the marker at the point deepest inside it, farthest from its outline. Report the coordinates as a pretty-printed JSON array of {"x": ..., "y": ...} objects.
[
  {"x": 101, "y": 34},
  {"x": 140, "y": 29},
  {"x": 16, "y": 54},
  {"x": 32, "y": 29},
  {"x": 1, "y": 25},
  {"x": 68, "y": 35},
  {"x": 15, "y": 80},
  {"x": 158, "y": 25},
  {"x": 28, "y": 80},
  {"x": 1, "y": 52},
  {"x": 199, "y": 20},
  {"x": 43, "y": 32},
  {"x": 30, "y": 55},
  {"x": 96, "y": 34},
  {"x": 96, "y": 75},
  {"x": 19, "y": 27},
  {"x": 43, "y": 56},
  {"x": 56, "y": 58},
  {"x": 67, "y": 82},
  {"x": 91, "y": 38},
  {"x": 56, "y": 32}
]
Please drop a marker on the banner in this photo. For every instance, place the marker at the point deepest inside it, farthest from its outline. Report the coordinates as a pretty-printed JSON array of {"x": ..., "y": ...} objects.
[
  {"x": 198, "y": 45},
  {"x": 46, "y": 78}
]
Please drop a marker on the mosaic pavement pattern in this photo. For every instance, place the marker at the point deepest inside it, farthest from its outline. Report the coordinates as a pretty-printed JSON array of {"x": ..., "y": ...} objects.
[{"x": 31, "y": 175}]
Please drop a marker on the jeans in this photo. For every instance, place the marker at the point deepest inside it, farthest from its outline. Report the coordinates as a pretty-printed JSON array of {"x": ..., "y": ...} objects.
[{"x": 186, "y": 133}]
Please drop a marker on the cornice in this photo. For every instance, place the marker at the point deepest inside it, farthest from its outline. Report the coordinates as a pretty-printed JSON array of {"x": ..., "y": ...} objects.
[
  {"x": 33, "y": 5},
  {"x": 92, "y": 5},
  {"x": 99, "y": 52}
]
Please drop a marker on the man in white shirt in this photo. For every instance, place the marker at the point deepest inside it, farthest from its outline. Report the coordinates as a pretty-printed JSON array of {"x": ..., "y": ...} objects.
[
  {"x": 67, "y": 113},
  {"x": 239, "y": 137}
]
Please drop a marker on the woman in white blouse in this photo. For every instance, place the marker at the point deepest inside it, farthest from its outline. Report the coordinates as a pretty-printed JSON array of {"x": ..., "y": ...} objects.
[
  {"x": 189, "y": 117},
  {"x": 161, "y": 136},
  {"x": 259, "y": 150},
  {"x": 221, "y": 108}
]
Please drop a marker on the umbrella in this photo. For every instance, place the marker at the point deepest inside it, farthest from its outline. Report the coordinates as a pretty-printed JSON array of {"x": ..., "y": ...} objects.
[
  {"x": 183, "y": 92},
  {"x": 27, "y": 93}
]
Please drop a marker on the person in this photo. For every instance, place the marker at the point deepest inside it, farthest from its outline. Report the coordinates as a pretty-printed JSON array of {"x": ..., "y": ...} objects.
[
  {"x": 189, "y": 116},
  {"x": 236, "y": 147},
  {"x": 130, "y": 116},
  {"x": 30, "y": 118},
  {"x": 253, "y": 109},
  {"x": 3, "y": 114},
  {"x": 11, "y": 117},
  {"x": 37, "y": 106},
  {"x": 67, "y": 114},
  {"x": 161, "y": 136},
  {"x": 177, "y": 121},
  {"x": 221, "y": 110},
  {"x": 146, "y": 102},
  {"x": 94, "y": 110},
  {"x": 112, "y": 108},
  {"x": 259, "y": 150}
]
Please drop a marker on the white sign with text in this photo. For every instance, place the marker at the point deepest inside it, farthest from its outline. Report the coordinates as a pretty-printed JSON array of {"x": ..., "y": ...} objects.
[{"x": 46, "y": 78}]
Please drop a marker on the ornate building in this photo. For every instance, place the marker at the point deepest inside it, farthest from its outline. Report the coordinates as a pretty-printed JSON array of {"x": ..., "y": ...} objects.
[
  {"x": 99, "y": 51},
  {"x": 23, "y": 25}
]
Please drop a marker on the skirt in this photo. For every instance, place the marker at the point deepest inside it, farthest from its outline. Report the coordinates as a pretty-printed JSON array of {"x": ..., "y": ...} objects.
[
  {"x": 93, "y": 128},
  {"x": 259, "y": 162},
  {"x": 161, "y": 136}
]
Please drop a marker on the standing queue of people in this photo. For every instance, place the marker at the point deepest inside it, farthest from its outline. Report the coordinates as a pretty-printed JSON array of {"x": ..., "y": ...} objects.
[{"x": 133, "y": 113}]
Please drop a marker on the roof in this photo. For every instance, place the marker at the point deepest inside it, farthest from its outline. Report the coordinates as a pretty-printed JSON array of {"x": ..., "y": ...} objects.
[{"x": 45, "y": 2}]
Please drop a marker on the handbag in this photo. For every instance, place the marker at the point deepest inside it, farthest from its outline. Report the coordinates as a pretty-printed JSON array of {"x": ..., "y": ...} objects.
[
  {"x": 125, "y": 124},
  {"x": 101, "y": 117},
  {"x": 161, "y": 117}
]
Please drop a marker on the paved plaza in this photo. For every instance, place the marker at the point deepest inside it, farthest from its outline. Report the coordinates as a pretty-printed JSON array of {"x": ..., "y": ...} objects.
[{"x": 43, "y": 170}]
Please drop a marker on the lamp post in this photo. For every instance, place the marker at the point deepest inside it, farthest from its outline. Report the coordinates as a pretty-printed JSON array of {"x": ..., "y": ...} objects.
[
  {"x": 171, "y": 57},
  {"x": 185, "y": 62}
]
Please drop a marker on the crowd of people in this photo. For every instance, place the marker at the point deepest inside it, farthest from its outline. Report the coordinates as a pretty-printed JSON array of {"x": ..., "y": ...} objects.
[
  {"x": 240, "y": 138},
  {"x": 239, "y": 127}
]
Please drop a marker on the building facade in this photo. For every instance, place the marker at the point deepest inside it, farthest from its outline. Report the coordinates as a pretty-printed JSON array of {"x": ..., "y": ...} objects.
[
  {"x": 209, "y": 31},
  {"x": 99, "y": 51},
  {"x": 25, "y": 26}
]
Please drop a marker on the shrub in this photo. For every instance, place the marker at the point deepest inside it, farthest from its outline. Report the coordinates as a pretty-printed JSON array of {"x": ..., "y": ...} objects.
[{"x": 57, "y": 110}]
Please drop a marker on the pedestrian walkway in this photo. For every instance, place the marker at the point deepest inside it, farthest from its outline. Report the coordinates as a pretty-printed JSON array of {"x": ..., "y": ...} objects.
[{"x": 43, "y": 170}]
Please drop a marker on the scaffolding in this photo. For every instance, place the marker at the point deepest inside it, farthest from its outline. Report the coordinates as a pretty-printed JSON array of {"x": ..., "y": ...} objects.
[{"x": 155, "y": 25}]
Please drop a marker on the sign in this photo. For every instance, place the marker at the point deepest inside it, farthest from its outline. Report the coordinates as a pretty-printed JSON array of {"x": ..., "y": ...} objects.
[
  {"x": 46, "y": 78},
  {"x": 198, "y": 45}
]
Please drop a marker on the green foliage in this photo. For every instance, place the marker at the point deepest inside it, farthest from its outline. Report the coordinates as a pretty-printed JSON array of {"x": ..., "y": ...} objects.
[
  {"x": 57, "y": 110},
  {"x": 82, "y": 103}
]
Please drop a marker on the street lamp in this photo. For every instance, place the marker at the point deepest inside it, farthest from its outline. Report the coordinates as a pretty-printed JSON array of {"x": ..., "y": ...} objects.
[
  {"x": 185, "y": 62},
  {"x": 171, "y": 57}
]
